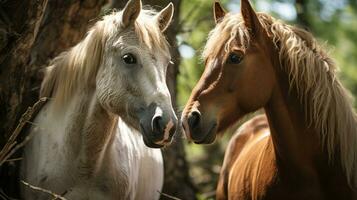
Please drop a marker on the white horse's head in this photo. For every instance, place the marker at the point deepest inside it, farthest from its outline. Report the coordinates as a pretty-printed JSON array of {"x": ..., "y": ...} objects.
[
  {"x": 125, "y": 58},
  {"x": 131, "y": 81}
]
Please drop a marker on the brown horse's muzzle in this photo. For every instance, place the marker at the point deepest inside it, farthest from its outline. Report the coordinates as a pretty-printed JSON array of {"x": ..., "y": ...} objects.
[{"x": 197, "y": 129}]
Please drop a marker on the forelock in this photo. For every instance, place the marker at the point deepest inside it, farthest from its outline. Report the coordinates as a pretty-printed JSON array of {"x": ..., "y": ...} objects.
[
  {"x": 229, "y": 33},
  {"x": 146, "y": 29}
]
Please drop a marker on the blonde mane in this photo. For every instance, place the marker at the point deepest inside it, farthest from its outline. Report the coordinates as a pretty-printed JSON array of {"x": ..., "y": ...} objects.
[
  {"x": 76, "y": 69},
  {"x": 312, "y": 73}
]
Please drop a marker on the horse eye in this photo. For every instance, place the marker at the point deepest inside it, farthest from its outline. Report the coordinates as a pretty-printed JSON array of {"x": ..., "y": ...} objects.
[
  {"x": 234, "y": 58},
  {"x": 129, "y": 59}
]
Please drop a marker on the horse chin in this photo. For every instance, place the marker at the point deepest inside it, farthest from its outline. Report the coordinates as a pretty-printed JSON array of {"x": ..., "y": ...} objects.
[
  {"x": 210, "y": 136},
  {"x": 209, "y": 140},
  {"x": 151, "y": 144}
]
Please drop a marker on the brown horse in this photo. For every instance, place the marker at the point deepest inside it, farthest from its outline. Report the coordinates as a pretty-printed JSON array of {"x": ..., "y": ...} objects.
[{"x": 254, "y": 61}]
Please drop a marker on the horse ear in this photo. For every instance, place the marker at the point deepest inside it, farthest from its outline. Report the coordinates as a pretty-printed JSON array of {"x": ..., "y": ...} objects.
[
  {"x": 164, "y": 17},
  {"x": 218, "y": 12},
  {"x": 131, "y": 12},
  {"x": 250, "y": 18}
]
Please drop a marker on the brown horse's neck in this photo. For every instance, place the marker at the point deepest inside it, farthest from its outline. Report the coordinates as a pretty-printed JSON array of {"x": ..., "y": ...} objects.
[
  {"x": 300, "y": 154},
  {"x": 296, "y": 142},
  {"x": 300, "y": 158}
]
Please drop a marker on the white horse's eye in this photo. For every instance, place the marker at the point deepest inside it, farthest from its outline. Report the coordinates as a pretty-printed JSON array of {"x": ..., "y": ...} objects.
[{"x": 129, "y": 59}]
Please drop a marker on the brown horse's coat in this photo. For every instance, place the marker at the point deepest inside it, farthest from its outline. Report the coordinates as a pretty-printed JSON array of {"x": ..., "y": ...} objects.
[{"x": 254, "y": 61}]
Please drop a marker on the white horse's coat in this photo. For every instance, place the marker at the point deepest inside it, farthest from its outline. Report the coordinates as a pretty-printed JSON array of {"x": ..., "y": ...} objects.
[{"x": 86, "y": 143}]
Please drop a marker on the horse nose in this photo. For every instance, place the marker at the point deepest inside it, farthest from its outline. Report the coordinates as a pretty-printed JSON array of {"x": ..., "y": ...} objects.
[
  {"x": 158, "y": 125},
  {"x": 194, "y": 120},
  {"x": 163, "y": 124}
]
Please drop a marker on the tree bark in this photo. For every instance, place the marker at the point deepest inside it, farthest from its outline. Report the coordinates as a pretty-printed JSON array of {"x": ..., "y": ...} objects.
[
  {"x": 32, "y": 32},
  {"x": 19, "y": 33},
  {"x": 177, "y": 180}
]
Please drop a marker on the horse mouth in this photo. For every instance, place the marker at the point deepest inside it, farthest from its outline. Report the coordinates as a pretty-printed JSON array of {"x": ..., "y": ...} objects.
[
  {"x": 150, "y": 142},
  {"x": 210, "y": 136}
]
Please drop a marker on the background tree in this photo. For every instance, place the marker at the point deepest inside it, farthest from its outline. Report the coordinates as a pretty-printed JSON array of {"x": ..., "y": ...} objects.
[{"x": 31, "y": 33}]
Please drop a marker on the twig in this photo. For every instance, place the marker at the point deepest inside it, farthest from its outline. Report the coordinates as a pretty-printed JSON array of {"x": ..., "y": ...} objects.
[
  {"x": 8, "y": 149},
  {"x": 169, "y": 196},
  {"x": 17, "y": 147},
  {"x": 5, "y": 196},
  {"x": 208, "y": 194},
  {"x": 13, "y": 160},
  {"x": 56, "y": 196}
]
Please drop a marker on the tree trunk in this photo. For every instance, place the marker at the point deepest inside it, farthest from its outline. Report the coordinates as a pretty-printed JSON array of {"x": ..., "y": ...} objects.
[
  {"x": 63, "y": 26},
  {"x": 31, "y": 33},
  {"x": 302, "y": 13},
  {"x": 177, "y": 180},
  {"x": 19, "y": 34}
]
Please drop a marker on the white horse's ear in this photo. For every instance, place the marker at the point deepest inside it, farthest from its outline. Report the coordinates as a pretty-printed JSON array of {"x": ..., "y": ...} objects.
[
  {"x": 218, "y": 12},
  {"x": 164, "y": 17},
  {"x": 131, "y": 12}
]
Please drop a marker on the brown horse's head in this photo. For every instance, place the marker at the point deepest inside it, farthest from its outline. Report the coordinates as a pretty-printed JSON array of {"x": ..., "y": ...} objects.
[{"x": 238, "y": 77}]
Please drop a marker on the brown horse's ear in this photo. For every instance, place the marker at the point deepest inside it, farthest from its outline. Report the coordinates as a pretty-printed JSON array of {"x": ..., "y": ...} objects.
[
  {"x": 218, "y": 12},
  {"x": 131, "y": 12},
  {"x": 250, "y": 18},
  {"x": 164, "y": 17}
]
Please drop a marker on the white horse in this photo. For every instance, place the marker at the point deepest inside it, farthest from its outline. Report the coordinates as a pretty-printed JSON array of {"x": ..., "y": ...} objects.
[{"x": 109, "y": 103}]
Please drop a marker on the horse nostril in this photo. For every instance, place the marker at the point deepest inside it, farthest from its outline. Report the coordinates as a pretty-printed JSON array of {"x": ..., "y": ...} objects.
[
  {"x": 194, "y": 119},
  {"x": 157, "y": 125}
]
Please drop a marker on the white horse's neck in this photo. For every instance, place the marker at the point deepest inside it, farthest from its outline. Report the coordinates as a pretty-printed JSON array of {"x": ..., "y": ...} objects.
[
  {"x": 89, "y": 130},
  {"x": 82, "y": 149}
]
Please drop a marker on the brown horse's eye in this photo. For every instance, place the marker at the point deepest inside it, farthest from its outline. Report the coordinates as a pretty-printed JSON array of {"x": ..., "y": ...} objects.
[
  {"x": 129, "y": 59},
  {"x": 234, "y": 58}
]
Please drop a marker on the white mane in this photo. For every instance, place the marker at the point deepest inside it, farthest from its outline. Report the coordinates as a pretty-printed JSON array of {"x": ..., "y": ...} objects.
[{"x": 76, "y": 69}]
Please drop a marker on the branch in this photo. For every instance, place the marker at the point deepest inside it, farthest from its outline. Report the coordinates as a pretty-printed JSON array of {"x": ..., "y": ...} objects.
[
  {"x": 9, "y": 149},
  {"x": 168, "y": 196},
  {"x": 13, "y": 160},
  {"x": 56, "y": 196},
  {"x": 5, "y": 196}
]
